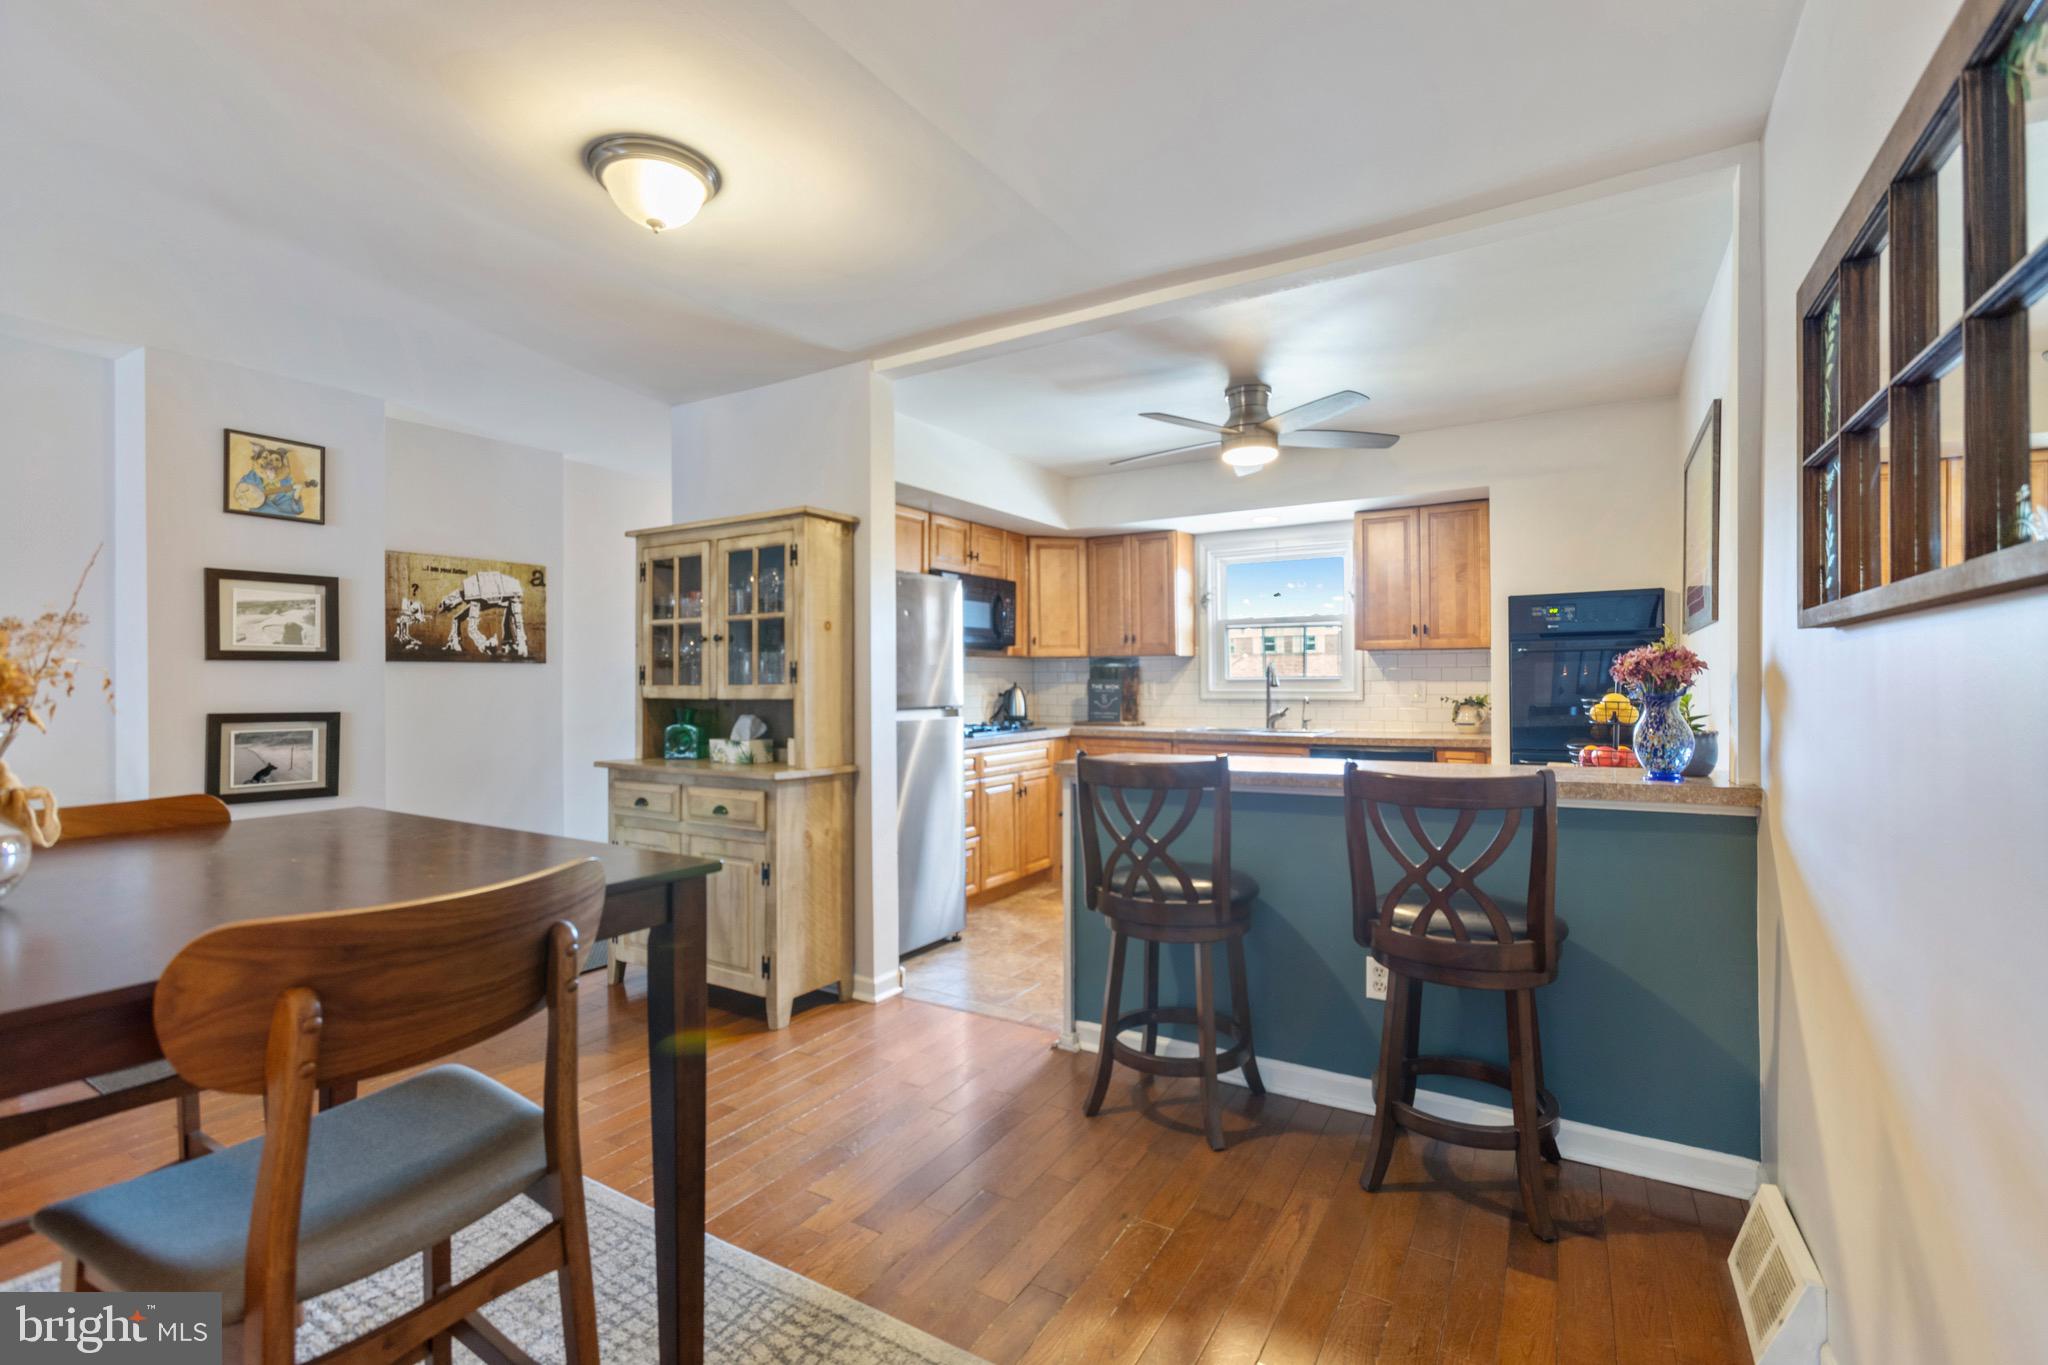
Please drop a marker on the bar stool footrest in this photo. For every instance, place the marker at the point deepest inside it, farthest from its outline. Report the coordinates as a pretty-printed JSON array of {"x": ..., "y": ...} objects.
[
  {"x": 1227, "y": 1058},
  {"x": 1500, "y": 1137}
]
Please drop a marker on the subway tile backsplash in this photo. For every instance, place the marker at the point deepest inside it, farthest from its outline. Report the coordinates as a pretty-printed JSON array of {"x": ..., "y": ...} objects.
[{"x": 1170, "y": 692}]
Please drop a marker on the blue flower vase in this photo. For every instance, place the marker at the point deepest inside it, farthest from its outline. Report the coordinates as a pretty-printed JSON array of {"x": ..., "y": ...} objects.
[{"x": 1663, "y": 741}]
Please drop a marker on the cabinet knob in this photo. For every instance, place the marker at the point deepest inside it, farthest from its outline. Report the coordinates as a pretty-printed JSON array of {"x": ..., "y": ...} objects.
[
  {"x": 639, "y": 800},
  {"x": 1413, "y": 629},
  {"x": 1425, "y": 628}
]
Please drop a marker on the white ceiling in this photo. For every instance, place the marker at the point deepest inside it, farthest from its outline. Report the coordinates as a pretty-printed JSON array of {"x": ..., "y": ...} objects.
[
  {"x": 1597, "y": 310},
  {"x": 384, "y": 187}
]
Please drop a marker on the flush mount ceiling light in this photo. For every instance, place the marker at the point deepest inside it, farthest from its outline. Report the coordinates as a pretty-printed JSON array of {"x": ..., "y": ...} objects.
[
  {"x": 656, "y": 183},
  {"x": 1252, "y": 450}
]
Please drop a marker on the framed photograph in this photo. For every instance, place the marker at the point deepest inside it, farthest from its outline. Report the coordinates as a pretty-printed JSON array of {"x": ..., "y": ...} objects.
[
  {"x": 273, "y": 755},
  {"x": 268, "y": 476},
  {"x": 251, "y": 615},
  {"x": 1703, "y": 524},
  {"x": 450, "y": 609}
]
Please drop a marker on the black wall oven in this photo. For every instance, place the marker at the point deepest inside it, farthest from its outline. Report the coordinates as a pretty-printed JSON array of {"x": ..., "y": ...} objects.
[
  {"x": 988, "y": 610},
  {"x": 1560, "y": 647}
]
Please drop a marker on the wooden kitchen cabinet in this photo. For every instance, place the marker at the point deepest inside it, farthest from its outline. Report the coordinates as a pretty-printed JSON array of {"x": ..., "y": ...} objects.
[
  {"x": 1141, "y": 594},
  {"x": 1059, "y": 598},
  {"x": 913, "y": 524},
  {"x": 998, "y": 823},
  {"x": 947, "y": 545},
  {"x": 1424, "y": 577},
  {"x": 1013, "y": 814},
  {"x": 1463, "y": 756},
  {"x": 1017, "y": 568},
  {"x": 987, "y": 550}
]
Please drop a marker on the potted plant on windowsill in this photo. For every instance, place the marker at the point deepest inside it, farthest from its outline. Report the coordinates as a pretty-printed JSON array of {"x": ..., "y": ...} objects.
[
  {"x": 1706, "y": 740},
  {"x": 1659, "y": 675}
]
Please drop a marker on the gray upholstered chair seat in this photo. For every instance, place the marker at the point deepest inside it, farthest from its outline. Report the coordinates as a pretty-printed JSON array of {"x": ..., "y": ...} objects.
[{"x": 387, "y": 1176}]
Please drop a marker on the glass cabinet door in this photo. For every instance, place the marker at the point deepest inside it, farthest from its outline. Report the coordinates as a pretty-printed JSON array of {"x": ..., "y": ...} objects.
[
  {"x": 757, "y": 595},
  {"x": 674, "y": 600}
]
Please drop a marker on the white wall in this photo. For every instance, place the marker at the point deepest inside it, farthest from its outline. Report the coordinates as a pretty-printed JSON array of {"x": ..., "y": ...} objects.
[
  {"x": 1583, "y": 499},
  {"x": 594, "y": 625},
  {"x": 1710, "y": 374},
  {"x": 1901, "y": 893},
  {"x": 940, "y": 461},
  {"x": 187, "y": 403},
  {"x": 56, "y": 452},
  {"x": 475, "y": 741},
  {"x": 826, "y": 440}
]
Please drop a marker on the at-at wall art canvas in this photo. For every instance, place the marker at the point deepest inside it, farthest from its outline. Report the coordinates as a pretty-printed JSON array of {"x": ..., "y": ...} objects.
[{"x": 452, "y": 609}]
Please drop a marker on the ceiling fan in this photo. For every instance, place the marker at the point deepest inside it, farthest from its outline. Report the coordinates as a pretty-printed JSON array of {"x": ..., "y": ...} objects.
[{"x": 1252, "y": 438}]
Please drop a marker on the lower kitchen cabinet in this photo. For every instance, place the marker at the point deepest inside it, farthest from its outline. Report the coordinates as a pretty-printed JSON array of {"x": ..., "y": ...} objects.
[
  {"x": 779, "y": 911},
  {"x": 1012, "y": 814}
]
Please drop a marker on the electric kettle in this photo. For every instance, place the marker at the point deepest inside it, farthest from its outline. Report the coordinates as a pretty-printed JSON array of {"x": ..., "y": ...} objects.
[{"x": 1011, "y": 705}]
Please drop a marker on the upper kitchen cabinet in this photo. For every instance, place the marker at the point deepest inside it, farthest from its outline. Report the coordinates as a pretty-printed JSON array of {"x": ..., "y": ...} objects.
[
  {"x": 1141, "y": 594},
  {"x": 1424, "y": 577},
  {"x": 913, "y": 526},
  {"x": 756, "y": 610},
  {"x": 1058, "y": 609},
  {"x": 946, "y": 546}
]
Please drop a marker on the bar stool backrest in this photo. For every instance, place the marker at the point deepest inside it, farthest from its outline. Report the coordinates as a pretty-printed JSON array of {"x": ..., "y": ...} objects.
[
  {"x": 1431, "y": 877},
  {"x": 1133, "y": 873}
]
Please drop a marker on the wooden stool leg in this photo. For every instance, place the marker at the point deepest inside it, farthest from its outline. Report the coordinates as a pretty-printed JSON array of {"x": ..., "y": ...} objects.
[
  {"x": 1112, "y": 998},
  {"x": 437, "y": 1272},
  {"x": 1549, "y": 1137},
  {"x": 1205, "y": 1015},
  {"x": 1522, "y": 1074},
  {"x": 1411, "y": 1038},
  {"x": 1387, "y": 1082},
  {"x": 574, "y": 1281},
  {"x": 1151, "y": 995},
  {"x": 1241, "y": 1006}
]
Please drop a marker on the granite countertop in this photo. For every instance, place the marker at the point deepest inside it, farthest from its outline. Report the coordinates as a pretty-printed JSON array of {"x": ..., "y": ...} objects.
[
  {"x": 1449, "y": 739},
  {"x": 1575, "y": 786},
  {"x": 737, "y": 772}
]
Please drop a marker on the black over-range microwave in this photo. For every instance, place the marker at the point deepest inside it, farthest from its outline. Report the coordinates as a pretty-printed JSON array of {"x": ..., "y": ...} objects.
[{"x": 988, "y": 611}]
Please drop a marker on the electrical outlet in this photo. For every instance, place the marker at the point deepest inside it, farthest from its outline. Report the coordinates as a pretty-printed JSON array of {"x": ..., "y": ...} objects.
[{"x": 1375, "y": 979}]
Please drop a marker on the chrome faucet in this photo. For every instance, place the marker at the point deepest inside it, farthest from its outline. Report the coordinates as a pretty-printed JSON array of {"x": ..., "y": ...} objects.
[{"x": 1272, "y": 717}]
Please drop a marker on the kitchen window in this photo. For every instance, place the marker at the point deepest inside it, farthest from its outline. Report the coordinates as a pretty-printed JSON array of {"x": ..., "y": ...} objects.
[
  {"x": 1278, "y": 597},
  {"x": 1924, "y": 344}
]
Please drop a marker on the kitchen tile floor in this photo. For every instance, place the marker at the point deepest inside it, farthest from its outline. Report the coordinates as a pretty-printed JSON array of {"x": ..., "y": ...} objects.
[{"x": 1007, "y": 964}]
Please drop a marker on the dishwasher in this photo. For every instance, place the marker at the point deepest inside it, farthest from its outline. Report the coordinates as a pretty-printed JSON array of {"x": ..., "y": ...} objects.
[{"x": 1367, "y": 754}]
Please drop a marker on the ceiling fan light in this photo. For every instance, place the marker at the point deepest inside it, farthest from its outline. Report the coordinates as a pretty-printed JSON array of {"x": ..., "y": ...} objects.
[
  {"x": 1250, "y": 450},
  {"x": 659, "y": 185}
]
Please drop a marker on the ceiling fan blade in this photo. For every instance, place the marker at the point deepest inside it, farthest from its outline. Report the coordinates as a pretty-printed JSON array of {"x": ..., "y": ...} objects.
[
  {"x": 1322, "y": 410},
  {"x": 1159, "y": 454},
  {"x": 1186, "y": 422},
  {"x": 1350, "y": 440}
]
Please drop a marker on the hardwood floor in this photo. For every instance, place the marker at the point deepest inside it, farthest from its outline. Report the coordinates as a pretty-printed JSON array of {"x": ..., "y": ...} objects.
[{"x": 935, "y": 1163}]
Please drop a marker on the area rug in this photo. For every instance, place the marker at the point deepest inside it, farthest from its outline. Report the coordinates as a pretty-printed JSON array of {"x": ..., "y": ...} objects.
[{"x": 755, "y": 1312}]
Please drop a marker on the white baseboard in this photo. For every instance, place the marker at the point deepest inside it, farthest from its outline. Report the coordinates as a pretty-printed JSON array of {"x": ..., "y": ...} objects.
[
  {"x": 873, "y": 990},
  {"x": 1674, "y": 1163}
]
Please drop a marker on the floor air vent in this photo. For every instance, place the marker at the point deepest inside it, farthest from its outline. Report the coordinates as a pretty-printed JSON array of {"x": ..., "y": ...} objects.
[{"x": 1784, "y": 1304}]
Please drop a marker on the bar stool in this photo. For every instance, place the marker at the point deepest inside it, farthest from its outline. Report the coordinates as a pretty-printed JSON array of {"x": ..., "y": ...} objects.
[
  {"x": 1147, "y": 893},
  {"x": 1493, "y": 944}
]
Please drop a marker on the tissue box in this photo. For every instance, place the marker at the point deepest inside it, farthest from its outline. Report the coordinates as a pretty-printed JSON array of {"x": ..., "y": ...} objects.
[{"x": 742, "y": 751}]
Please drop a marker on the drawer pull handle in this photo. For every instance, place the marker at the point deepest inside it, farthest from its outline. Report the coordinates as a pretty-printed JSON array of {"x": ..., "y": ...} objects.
[
  {"x": 639, "y": 800},
  {"x": 720, "y": 810}
]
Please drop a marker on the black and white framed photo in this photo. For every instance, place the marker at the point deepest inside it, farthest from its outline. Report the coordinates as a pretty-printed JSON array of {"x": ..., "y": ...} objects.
[
  {"x": 272, "y": 616},
  {"x": 273, "y": 755}
]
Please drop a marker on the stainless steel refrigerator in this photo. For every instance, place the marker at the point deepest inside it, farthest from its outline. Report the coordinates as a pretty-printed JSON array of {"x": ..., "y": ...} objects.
[{"x": 931, "y": 817}]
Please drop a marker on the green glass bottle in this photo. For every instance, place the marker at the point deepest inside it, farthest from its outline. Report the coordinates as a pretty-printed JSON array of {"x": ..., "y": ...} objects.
[{"x": 684, "y": 739}]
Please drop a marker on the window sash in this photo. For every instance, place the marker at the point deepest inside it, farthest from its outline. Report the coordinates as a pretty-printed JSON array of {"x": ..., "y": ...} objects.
[{"x": 1219, "y": 552}]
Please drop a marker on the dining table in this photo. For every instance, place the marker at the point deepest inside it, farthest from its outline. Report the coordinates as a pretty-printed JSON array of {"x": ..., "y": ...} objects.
[{"x": 90, "y": 928}]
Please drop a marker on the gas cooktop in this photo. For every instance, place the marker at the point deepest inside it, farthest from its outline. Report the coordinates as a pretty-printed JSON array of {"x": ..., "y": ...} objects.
[{"x": 996, "y": 727}]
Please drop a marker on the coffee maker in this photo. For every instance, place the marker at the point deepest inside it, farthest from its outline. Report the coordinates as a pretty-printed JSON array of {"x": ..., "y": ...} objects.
[{"x": 1113, "y": 691}]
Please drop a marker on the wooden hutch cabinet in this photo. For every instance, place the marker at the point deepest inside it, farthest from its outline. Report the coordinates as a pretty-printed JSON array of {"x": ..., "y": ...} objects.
[{"x": 751, "y": 615}]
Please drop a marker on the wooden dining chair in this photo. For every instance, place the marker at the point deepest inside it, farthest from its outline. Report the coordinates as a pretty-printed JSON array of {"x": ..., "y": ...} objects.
[
  {"x": 283, "y": 1007},
  {"x": 152, "y": 1082}
]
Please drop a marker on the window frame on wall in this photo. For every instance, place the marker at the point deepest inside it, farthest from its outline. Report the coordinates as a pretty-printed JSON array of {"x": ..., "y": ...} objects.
[
  {"x": 1871, "y": 534},
  {"x": 1215, "y": 553}
]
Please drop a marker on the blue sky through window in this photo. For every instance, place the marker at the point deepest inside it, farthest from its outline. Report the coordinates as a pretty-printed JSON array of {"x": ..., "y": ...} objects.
[{"x": 1285, "y": 587}]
